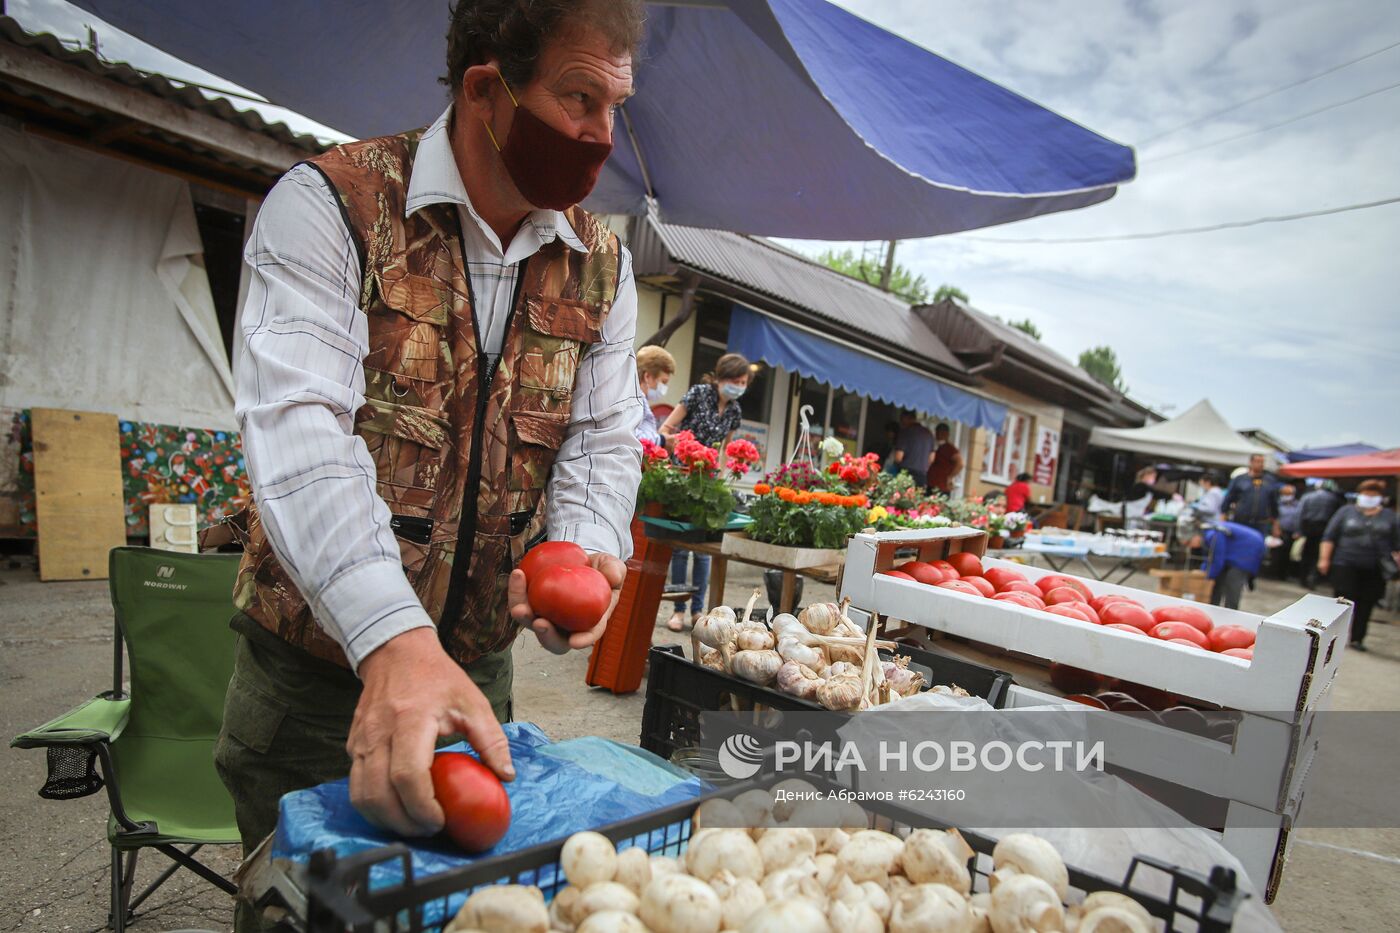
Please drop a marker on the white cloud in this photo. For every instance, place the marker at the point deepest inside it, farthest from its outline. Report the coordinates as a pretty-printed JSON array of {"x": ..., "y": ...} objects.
[{"x": 1292, "y": 327}]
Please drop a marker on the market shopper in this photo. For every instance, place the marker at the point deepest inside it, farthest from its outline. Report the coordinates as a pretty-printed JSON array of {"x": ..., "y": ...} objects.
[
  {"x": 1234, "y": 554},
  {"x": 1207, "y": 504},
  {"x": 655, "y": 367},
  {"x": 1252, "y": 499},
  {"x": 437, "y": 343},
  {"x": 1359, "y": 552},
  {"x": 1315, "y": 510},
  {"x": 1289, "y": 509},
  {"x": 710, "y": 411},
  {"x": 947, "y": 465},
  {"x": 1018, "y": 493}
]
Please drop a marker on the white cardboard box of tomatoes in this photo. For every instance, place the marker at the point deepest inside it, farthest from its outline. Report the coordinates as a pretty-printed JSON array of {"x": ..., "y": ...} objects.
[{"x": 1296, "y": 651}]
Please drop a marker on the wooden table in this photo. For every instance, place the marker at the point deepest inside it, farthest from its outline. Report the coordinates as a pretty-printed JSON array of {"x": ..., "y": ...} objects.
[{"x": 719, "y": 568}]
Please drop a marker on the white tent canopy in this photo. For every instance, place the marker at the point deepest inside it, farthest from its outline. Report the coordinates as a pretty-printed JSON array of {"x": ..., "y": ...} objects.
[{"x": 1198, "y": 434}]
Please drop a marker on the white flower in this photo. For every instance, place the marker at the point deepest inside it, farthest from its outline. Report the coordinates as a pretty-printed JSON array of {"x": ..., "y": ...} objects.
[
  {"x": 833, "y": 448},
  {"x": 940, "y": 521}
]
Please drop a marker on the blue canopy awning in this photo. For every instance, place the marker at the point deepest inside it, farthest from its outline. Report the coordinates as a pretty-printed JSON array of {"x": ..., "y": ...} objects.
[
  {"x": 1327, "y": 453},
  {"x": 760, "y": 337}
]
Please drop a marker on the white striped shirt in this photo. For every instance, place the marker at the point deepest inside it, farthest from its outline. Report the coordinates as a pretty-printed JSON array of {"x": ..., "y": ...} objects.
[{"x": 301, "y": 379}]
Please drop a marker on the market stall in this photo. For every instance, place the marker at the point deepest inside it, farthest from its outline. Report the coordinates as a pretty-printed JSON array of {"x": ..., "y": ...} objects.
[{"x": 1198, "y": 435}]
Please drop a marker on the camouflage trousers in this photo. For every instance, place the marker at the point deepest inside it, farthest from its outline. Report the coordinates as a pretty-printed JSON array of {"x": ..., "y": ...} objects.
[{"x": 286, "y": 721}]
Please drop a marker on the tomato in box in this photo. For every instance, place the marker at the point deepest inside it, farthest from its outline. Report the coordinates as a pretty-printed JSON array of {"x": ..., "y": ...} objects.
[
  {"x": 1020, "y": 599},
  {"x": 924, "y": 573},
  {"x": 960, "y": 586},
  {"x": 1064, "y": 594},
  {"x": 1246, "y": 653},
  {"x": 999, "y": 577},
  {"x": 1191, "y": 615},
  {"x": 1230, "y": 636},
  {"x": 1050, "y": 581},
  {"x": 966, "y": 563},
  {"x": 1125, "y": 628},
  {"x": 1099, "y": 602},
  {"x": 1070, "y": 610},
  {"x": 949, "y": 571},
  {"x": 1180, "y": 631},
  {"x": 1018, "y": 586},
  {"x": 981, "y": 586},
  {"x": 898, "y": 574},
  {"x": 1127, "y": 614}
]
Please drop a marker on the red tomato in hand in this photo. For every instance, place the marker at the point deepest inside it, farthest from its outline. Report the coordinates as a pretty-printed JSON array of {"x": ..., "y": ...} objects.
[
  {"x": 473, "y": 800},
  {"x": 924, "y": 573},
  {"x": 1230, "y": 636},
  {"x": 966, "y": 563},
  {"x": 1127, "y": 614},
  {"x": 573, "y": 598},
  {"x": 552, "y": 554},
  {"x": 1172, "y": 630},
  {"x": 1188, "y": 614}
]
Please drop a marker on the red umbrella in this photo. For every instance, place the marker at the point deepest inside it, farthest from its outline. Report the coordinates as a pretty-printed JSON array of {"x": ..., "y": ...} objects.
[{"x": 1380, "y": 463}]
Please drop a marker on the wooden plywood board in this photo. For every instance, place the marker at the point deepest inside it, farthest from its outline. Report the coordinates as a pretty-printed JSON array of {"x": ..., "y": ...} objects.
[{"x": 78, "y": 492}]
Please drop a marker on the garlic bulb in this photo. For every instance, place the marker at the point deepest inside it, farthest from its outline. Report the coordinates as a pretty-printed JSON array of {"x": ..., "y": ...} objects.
[
  {"x": 841, "y": 669},
  {"x": 807, "y": 655},
  {"x": 949, "y": 691},
  {"x": 847, "y": 629},
  {"x": 798, "y": 680},
  {"x": 753, "y": 636},
  {"x": 712, "y": 658},
  {"x": 851, "y": 654},
  {"x": 843, "y": 692},
  {"x": 820, "y": 618},
  {"x": 715, "y": 629},
  {"x": 757, "y": 667},
  {"x": 901, "y": 679}
]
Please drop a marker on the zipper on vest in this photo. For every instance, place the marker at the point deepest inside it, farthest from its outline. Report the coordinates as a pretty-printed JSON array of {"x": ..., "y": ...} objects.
[{"x": 486, "y": 374}]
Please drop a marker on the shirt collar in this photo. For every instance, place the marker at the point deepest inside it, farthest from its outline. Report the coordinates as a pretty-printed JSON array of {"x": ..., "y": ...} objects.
[{"x": 434, "y": 179}]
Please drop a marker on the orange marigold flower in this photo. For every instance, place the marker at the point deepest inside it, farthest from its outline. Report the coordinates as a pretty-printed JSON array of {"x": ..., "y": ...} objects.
[
  {"x": 762, "y": 489},
  {"x": 802, "y": 498}
]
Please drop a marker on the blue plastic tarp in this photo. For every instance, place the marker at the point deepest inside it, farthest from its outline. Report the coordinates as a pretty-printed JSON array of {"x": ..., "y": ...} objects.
[
  {"x": 560, "y": 789},
  {"x": 760, "y": 337},
  {"x": 788, "y": 118}
]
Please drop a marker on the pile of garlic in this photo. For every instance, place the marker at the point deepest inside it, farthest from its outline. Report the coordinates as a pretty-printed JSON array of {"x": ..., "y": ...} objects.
[
  {"x": 819, "y": 655},
  {"x": 785, "y": 879}
]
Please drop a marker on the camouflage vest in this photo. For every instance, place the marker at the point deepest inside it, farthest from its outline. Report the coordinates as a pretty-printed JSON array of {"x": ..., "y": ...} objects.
[{"x": 462, "y": 454}]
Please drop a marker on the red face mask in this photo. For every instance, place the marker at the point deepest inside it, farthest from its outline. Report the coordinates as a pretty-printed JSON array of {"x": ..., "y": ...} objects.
[{"x": 553, "y": 170}]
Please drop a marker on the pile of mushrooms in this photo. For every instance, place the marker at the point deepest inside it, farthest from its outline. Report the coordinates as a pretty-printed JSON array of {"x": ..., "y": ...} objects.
[
  {"x": 745, "y": 871},
  {"x": 818, "y": 655}
]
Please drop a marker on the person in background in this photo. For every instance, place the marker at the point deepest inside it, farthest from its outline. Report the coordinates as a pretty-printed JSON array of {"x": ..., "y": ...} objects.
[
  {"x": 1207, "y": 505},
  {"x": 1018, "y": 493},
  {"x": 1252, "y": 499},
  {"x": 1288, "y": 512},
  {"x": 1315, "y": 510},
  {"x": 1359, "y": 552},
  {"x": 947, "y": 466},
  {"x": 710, "y": 411},
  {"x": 1235, "y": 553},
  {"x": 884, "y": 447},
  {"x": 913, "y": 447},
  {"x": 1145, "y": 484},
  {"x": 655, "y": 367}
]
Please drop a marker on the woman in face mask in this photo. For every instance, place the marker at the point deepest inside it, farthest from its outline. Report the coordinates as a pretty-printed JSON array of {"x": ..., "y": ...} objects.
[
  {"x": 655, "y": 367},
  {"x": 1359, "y": 552},
  {"x": 710, "y": 411}
]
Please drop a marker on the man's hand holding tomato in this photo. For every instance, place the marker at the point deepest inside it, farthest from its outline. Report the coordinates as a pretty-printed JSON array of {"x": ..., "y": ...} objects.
[{"x": 554, "y": 638}]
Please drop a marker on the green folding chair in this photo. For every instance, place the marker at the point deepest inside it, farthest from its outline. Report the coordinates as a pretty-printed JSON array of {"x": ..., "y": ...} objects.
[{"x": 153, "y": 748}]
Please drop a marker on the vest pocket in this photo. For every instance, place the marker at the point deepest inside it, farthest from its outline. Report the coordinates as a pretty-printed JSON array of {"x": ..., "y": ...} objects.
[
  {"x": 405, "y": 442},
  {"x": 535, "y": 440},
  {"x": 581, "y": 321}
]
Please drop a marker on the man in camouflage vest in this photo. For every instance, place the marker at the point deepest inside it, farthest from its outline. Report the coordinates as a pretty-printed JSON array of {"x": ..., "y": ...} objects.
[{"x": 437, "y": 373}]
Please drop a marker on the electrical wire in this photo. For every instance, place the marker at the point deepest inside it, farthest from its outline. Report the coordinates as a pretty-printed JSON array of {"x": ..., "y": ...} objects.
[
  {"x": 1258, "y": 97},
  {"x": 1184, "y": 231},
  {"x": 1271, "y": 126}
]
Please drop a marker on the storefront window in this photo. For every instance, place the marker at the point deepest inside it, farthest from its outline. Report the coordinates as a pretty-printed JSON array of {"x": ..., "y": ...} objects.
[
  {"x": 1006, "y": 452},
  {"x": 845, "y": 418}
]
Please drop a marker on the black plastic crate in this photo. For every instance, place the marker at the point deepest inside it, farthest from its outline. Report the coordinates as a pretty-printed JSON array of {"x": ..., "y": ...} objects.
[
  {"x": 679, "y": 690},
  {"x": 341, "y": 900}
]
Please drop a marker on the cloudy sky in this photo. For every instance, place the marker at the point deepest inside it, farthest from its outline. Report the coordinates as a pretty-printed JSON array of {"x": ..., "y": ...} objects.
[{"x": 1291, "y": 327}]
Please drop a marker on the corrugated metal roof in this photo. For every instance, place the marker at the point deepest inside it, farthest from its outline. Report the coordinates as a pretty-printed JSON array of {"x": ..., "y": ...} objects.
[
  {"x": 158, "y": 85},
  {"x": 1027, "y": 346},
  {"x": 758, "y": 264}
]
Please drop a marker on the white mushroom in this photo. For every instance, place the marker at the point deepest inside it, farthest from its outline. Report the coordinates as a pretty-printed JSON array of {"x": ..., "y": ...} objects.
[
  {"x": 663, "y": 865},
  {"x": 832, "y": 841},
  {"x": 588, "y": 858},
  {"x": 1113, "y": 899},
  {"x": 680, "y": 904},
  {"x": 877, "y": 898},
  {"x": 1031, "y": 855},
  {"x": 930, "y": 908},
  {"x": 829, "y": 871},
  {"x": 633, "y": 869},
  {"x": 725, "y": 849},
  {"x": 798, "y": 880},
  {"x": 612, "y": 921},
  {"x": 605, "y": 896},
  {"x": 871, "y": 855},
  {"x": 739, "y": 898},
  {"x": 1025, "y": 903},
  {"x": 717, "y": 813},
  {"x": 854, "y": 917},
  {"x": 788, "y": 916},
  {"x": 756, "y": 806},
  {"x": 781, "y": 847},
  {"x": 1113, "y": 920},
  {"x": 784, "y": 805},
  {"x": 929, "y": 858},
  {"x": 561, "y": 909},
  {"x": 503, "y": 908},
  {"x": 980, "y": 905}
]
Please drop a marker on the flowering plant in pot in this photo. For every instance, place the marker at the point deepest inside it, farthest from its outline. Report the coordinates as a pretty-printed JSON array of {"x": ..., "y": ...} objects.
[
  {"x": 806, "y": 518},
  {"x": 690, "y": 486}
]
